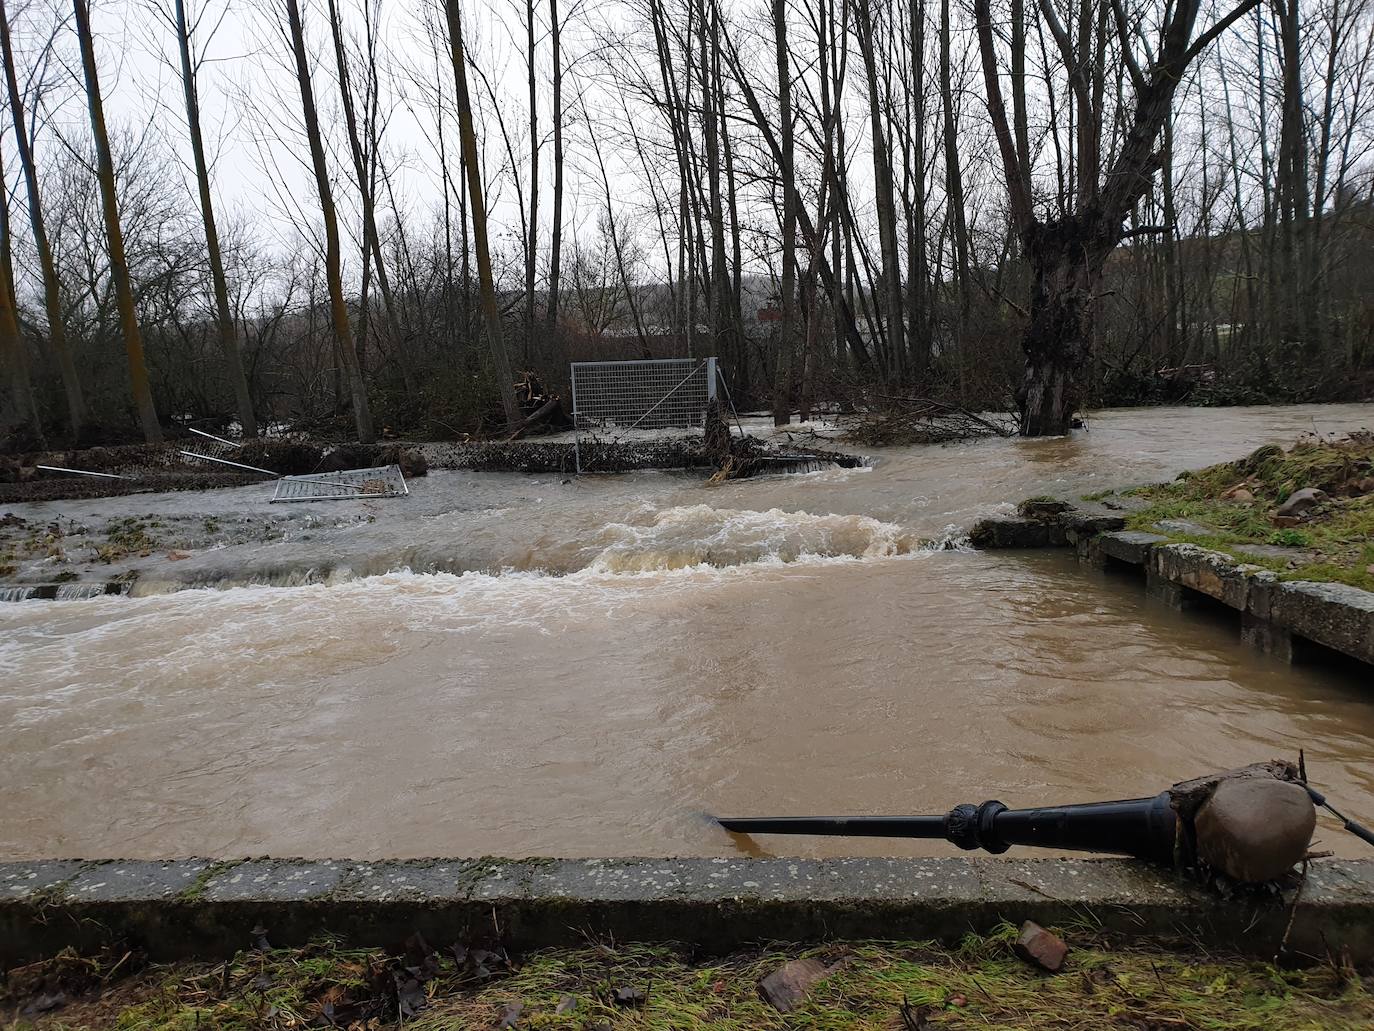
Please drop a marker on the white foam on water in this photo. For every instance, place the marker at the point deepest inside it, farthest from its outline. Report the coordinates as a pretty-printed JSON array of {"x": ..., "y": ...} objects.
[
  {"x": 196, "y": 638},
  {"x": 699, "y": 535}
]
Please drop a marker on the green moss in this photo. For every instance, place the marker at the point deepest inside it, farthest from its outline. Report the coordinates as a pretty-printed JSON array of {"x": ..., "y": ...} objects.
[
  {"x": 195, "y": 889},
  {"x": 1340, "y": 532},
  {"x": 124, "y": 537},
  {"x": 979, "y": 983}
]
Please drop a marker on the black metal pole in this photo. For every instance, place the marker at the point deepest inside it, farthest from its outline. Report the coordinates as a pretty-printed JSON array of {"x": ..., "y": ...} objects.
[
  {"x": 1141, "y": 827},
  {"x": 845, "y": 826}
]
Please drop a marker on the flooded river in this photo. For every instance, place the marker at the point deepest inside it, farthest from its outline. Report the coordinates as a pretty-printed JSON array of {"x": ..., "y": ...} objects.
[{"x": 518, "y": 665}]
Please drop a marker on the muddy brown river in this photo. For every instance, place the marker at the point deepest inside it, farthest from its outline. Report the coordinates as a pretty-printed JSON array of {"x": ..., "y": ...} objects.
[{"x": 517, "y": 665}]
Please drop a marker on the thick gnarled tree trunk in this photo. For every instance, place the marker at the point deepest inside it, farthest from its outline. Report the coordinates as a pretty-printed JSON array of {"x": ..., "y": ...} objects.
[{"x": 1057, "y": 336}]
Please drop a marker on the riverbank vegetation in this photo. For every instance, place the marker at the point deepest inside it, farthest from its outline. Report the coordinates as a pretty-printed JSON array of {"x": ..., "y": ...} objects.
[
  {"x": 358, "y": 216},
  {"x": 1307, "y": 511},
  {"x": 869, "y": 985}
]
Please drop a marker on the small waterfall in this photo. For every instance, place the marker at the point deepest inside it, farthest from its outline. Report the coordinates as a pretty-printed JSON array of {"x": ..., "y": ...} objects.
[
  {"x": 17, "y": 593},
  {"x": 79, "y": 592}
]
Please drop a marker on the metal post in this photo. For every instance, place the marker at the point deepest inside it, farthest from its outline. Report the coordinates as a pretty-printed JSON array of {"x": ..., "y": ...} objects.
[
  {"x": 577, "y": 429},
  {"x": 711, "y": 380}
]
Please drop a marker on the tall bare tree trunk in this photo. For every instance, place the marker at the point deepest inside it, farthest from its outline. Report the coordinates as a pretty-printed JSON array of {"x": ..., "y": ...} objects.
[
  {"x": 1292, "y": 187},
  {"x": 918, "y": 271},
  {"x": 224, "y": 319},
  {"x": 12, "y": 354},
  {"x": 532, "y": 240},
  {"x": 367, "y": 197},
  {"x": 77, "y": 414},
  {"x": 114, "y": 235},
  {"x": 467, "y": 134},
  {"x": 782, "y": 380},
  {"x": 718, "y": 297},
  {"x": 891, "y": 276},
  {"x": 556, "y": 230},
  {"x": 338, "y": 305},
  {"x": 954, "y": 178}
]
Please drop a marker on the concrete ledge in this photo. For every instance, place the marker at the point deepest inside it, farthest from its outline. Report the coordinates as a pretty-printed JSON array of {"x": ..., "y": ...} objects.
[
  {"x": 1212, "y": 573},
  {"x": 1017, "y": 533},
  {"x": 1336, "y": 615},
  {"x": 1130, "y": 546},
  {"x": 200, "y": 908}
]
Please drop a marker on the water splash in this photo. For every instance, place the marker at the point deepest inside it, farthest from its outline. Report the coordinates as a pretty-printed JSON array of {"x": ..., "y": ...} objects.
[{"x": 699, "y": 535}]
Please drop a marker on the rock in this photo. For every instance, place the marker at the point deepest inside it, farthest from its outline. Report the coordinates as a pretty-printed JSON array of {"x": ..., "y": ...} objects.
[
  {"x": 413, "y": 464},
  {"x": 1015, "y": 533},
  {"x": 1039, "y": 508},
  {"x": 1285, "y": 521},
  {"x": 1300, "y": 502},
  {"x": 1240, "y": 495},
  {"x": 565, "y": 1005},
  {"x": 510, "y": 1016},
  {"x": 632, "y": 997},
  {"x": 785, "y": 988},
  {"x": 1255, "y": 829},
  {"x": 1041, "y": 947}
]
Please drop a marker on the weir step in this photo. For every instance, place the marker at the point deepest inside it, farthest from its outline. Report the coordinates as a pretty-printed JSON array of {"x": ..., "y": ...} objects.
[{"x": 200, "y": 908}]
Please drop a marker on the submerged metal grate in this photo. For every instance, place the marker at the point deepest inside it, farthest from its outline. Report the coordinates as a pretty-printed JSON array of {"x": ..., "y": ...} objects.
[{"x": 383, "y": 481}]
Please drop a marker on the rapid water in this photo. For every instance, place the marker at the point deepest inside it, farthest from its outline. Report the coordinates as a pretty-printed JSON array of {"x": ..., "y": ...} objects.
[{"x": 515, "y": 665}]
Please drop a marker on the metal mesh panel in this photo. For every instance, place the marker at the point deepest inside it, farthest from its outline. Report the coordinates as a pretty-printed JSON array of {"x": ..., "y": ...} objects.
[
  {"x": 383, "y": 481},
  {"x": 620, "y": 400}
]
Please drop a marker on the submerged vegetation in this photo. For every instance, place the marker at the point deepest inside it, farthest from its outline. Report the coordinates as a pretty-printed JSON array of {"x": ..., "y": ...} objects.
[
  {"x": 868, "y": 985},
  {"x": 1235, "y": 506}
]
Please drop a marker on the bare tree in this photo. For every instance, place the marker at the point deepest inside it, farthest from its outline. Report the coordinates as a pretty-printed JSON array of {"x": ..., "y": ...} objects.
[
  {"x": 338, "y": 305},
  {"x": 1067, "y": 254},
  {"x": 782, "y": 379},
  {"x": 185, "y": 29},
  {"x": 12, "y": 354},
  {"x": 556, "y": 237},
  {"x": 491, "y": 315},
  {"x": 52, "y": 296},
  {"x": 119, "y": 265}
]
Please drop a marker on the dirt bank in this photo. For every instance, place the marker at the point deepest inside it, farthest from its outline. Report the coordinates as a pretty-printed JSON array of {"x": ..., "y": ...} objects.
[{"x": 864, "y": 985}]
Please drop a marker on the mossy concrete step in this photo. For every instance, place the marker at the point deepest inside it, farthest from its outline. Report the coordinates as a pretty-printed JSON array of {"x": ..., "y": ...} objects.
[{"x": 195, "y": 907}]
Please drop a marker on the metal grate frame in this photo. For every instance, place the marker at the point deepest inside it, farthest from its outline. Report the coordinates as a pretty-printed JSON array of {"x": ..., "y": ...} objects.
[
  {"x": 383, "y": 481},
  {"x": 613, "y": 400}
]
